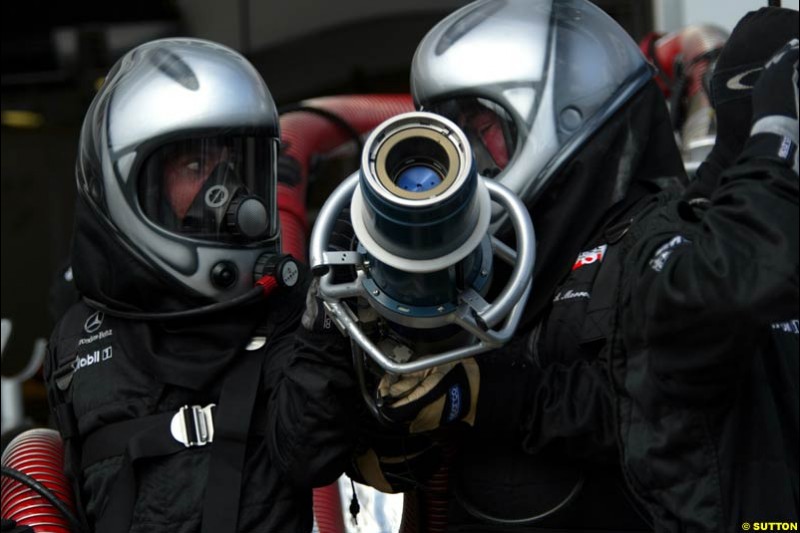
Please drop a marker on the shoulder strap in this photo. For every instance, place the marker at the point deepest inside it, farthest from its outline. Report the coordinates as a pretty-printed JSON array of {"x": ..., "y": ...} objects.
[
  {"x": 154, "y": 436},
  {"x": 236, "y": 403},
  {"x": 153, "y": 441}
]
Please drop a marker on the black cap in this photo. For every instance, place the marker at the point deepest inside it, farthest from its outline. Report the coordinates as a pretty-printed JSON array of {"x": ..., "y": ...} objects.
[{"x": 753, "y": 41}]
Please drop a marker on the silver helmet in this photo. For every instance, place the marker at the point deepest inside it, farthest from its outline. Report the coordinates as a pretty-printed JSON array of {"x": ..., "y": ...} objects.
[
  {"x": 178, "y": 153},
  {"x": 529, "y": 81}
]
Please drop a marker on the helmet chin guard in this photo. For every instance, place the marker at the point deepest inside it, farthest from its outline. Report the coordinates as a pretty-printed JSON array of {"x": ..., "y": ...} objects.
[{"x": 423, "y": 264}]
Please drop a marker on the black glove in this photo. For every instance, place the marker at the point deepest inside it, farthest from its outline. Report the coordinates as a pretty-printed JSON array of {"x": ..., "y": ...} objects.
[
  {"x": 753, "y": 41},
  {"x": 774, "y": 133},
  {"x": 775, "y": 92},
  {"x": 434, "y": 397}
]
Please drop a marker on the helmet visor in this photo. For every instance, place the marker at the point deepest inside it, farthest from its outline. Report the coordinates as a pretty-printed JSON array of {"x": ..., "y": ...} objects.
[
  {"x": 489, "y": 129},
  {"x": 216, "y": 189}
]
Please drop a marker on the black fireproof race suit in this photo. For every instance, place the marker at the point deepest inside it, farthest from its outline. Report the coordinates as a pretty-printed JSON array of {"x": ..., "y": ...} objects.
[
  {"x": 545, "y": 421},
  {"x": 116, "y": 415},
  {"x": 697, "y": 383},
  {"x": 701, "y": 393},
  {"x": 705, "y": 363},
  {"x": 542, "y": 455}
]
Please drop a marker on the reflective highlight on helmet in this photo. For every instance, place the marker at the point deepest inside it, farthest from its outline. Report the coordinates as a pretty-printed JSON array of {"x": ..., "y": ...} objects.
[{"x": 529, "y": 81}]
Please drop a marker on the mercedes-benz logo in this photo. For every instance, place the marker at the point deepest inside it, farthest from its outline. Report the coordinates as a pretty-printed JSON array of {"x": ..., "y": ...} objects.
[{"x": 94, "y": 322}]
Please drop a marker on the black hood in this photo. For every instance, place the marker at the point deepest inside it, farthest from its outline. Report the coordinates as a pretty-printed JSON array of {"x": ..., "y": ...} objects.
[
  {"x": 634, "y": 154},
  {"x": 188, "y": 352},
  {"x": 108, "y": 270}
]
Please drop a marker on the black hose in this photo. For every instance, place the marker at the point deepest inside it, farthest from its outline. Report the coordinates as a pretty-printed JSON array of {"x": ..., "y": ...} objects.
[
  {"x": 250, "y": 295},
  {"x": 45, "y": 493},
  {"x": 495, "y": 520},
  {"x": 369, "y": 399}
]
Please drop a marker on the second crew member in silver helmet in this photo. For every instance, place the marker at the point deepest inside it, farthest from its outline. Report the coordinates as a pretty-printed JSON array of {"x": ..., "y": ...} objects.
[
  {"x": 529, "y": 82},
  {"x": 560, "y": 106}
]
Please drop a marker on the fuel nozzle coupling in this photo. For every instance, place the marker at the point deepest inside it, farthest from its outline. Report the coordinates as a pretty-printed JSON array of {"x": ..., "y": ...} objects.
[{"x": 423, "y": 260}]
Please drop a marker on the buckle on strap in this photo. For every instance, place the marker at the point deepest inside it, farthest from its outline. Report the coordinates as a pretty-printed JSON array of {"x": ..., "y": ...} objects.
[{"x": 193, "y": 425}]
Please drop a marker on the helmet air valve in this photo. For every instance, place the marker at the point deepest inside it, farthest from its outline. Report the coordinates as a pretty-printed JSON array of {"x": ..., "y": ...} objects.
[{"x": 283, "y": 268}]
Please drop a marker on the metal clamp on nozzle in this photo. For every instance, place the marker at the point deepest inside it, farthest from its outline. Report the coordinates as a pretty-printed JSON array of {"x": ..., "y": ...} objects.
[{"x": 193, "y": 425}]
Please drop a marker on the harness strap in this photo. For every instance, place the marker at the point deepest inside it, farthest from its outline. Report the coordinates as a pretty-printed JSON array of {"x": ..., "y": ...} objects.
[
  {"x": 155, "y": 436},
  {"x": 235, "y": 411},
  {"x": 112, "y": 440},
  {"x": 154, "y": 441}
]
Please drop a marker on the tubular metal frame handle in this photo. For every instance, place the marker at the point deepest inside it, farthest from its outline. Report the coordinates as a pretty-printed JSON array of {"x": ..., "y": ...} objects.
[{"x": 509, "y": 304}]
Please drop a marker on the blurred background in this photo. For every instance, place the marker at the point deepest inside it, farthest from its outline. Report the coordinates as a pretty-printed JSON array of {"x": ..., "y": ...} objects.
[{"x": 55, "y": 54}]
